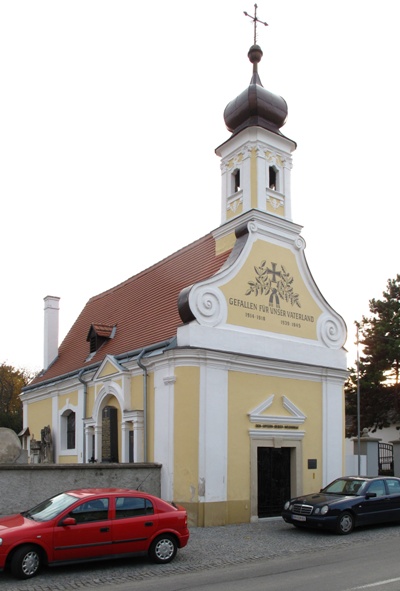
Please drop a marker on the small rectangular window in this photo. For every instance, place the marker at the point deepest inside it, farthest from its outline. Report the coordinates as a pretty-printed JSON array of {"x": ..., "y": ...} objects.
[
  {"x": 236, "y": 175},
  {"x": 273, "y": 178}
]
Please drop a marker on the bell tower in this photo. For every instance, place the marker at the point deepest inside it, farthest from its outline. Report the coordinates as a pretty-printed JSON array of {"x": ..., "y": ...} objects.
[{"x": 256, "y": 161}]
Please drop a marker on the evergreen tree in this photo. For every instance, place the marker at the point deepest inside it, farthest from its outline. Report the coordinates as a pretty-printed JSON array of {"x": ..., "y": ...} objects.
[{"x": 379, "y": 365}]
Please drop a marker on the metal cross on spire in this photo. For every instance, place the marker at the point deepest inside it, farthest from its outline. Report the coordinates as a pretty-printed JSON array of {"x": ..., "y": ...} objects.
[{"x": 255, "y": 21}]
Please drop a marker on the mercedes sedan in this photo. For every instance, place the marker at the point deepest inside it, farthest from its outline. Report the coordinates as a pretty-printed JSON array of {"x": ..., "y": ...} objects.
[
  {"x": 91, "y": 524},
  {"x": 347, "y": 503}
]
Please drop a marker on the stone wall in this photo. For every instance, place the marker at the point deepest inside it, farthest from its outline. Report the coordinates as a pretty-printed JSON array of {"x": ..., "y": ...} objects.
[{"x": 24, "y": 486}]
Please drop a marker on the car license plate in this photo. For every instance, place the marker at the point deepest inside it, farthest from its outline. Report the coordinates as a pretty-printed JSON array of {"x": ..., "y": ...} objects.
[{"x": 298, "y": 517}]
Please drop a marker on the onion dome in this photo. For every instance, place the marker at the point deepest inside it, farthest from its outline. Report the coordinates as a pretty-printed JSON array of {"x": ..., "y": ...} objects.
[{"x": 256, "y": 106}]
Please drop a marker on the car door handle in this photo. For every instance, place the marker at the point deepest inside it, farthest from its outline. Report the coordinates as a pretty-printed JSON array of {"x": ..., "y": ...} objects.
[
  {"x": 104, "y": 529},
  {"x": 148, "y": 524}
]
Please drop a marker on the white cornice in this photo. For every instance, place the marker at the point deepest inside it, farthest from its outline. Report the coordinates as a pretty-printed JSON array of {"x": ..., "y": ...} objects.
[
  {"x": 292, "y": 434},
  {"x": 268, "y": 224},
  {"x": 184, "y": 357},
  {"x": 218, "y": 359}
]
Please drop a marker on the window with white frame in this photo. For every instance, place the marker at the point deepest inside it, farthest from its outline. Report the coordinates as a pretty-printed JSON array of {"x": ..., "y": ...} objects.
[{"x": 68, "y": 430}]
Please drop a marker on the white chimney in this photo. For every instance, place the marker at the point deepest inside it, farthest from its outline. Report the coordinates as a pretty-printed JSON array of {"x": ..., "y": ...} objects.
[{"x": 51, "y": 309}]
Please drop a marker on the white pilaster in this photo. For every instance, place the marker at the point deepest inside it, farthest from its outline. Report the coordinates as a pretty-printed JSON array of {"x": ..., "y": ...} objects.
[
  {"x": 125, "y": 442},
  {"x": 332, "y": 429},
  {"x": 164, "y": 429},
  {"x": 213, "y": 434},
  {"x": 98, "y": 437}
]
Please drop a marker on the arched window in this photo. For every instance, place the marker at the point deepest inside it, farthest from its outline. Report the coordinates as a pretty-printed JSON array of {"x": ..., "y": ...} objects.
[
  {"x": 68, "y": 430},
  {"x": 71, "y": 430}
]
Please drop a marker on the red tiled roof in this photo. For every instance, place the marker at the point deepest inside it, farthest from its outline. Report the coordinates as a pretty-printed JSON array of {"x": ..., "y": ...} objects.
[{"x": 144, "y": 308}]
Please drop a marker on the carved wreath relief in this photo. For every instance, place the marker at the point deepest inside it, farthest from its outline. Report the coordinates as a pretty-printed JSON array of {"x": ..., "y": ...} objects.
[{"x": 277, "y": 284}]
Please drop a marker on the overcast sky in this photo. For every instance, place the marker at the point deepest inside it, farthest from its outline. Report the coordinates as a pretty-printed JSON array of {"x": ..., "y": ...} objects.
[{"x": 110, "y": 112}]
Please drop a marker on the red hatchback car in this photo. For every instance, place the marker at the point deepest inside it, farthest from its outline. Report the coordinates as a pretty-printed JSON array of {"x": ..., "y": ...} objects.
[{"x": 91, "y": 524}]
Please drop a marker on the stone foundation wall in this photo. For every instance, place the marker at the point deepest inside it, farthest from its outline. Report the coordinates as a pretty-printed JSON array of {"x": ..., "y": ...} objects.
[{"x": 24, "y": 486}]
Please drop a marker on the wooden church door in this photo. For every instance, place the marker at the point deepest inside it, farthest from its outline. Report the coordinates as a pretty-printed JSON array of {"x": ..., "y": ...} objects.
[
  {"x": 273, "y": 480},
  {"x": 110, "y": 435}
]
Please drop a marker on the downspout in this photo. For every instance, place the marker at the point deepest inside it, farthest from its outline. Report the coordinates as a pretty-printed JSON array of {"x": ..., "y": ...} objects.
[
  {"x": 154, "y": 347},
  {"x": 82, "y": 381},
  {"x": 144, "y": 369}
]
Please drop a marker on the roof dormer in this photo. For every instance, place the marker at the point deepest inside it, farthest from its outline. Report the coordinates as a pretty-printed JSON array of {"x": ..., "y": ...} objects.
[{"x": 98, "y": 334}]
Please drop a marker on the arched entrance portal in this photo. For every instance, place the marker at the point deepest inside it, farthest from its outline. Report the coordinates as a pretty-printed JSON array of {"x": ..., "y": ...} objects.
[{"x": 112, "y": 434}]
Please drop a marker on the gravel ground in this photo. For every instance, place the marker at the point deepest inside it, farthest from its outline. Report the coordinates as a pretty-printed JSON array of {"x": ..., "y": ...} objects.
[{"x": 208, "y": 548}]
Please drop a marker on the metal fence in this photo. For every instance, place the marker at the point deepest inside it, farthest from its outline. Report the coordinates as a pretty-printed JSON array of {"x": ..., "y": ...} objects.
[{"x": 386, "y": 465}]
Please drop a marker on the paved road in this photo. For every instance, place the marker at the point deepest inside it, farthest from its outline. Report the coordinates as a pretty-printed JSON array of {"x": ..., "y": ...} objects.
[
  {"x": 208, "y": 548},
  {"x": 367, "y": 566}
]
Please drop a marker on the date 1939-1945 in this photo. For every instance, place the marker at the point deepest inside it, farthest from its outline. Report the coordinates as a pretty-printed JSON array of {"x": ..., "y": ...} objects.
[
  {"x": 293, "y": 324},
  {"x": 283, "y": 322}
]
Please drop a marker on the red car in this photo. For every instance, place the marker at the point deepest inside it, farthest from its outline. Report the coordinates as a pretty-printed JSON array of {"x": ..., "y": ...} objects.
[{"x": 91, "y": 524}]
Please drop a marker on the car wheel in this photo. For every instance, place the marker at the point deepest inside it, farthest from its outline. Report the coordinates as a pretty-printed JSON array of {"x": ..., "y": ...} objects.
[
  {"x": 163, "y": 549},
  {"x": 25, "y": 562},
  {"x": 345, "y": 523}
]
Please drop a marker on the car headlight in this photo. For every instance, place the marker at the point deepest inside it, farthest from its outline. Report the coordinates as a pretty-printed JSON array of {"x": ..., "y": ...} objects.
[
  {"x": 287, "y": 505},
  {"x": 1, "y": 541},
  {"x": 317, "y": 510},
  {"x": 324, "y": 510}
]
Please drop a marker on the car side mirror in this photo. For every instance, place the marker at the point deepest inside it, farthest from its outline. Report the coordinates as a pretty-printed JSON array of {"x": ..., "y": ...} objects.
[
  {"x": 370, "y": 495},
  {"x": 68, "y": 521}
]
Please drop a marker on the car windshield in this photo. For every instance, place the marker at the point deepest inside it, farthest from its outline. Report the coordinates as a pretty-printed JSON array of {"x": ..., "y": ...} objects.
[
  {"x": 345, "y": 486},
  {"x": 50, "y": 508}
]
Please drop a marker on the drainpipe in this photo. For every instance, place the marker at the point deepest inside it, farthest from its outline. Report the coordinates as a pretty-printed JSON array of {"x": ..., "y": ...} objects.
[
  {"x": 82, "y": 381},
  {"x": 144, "y": 369},
  {"x": 164, "y": 344}
]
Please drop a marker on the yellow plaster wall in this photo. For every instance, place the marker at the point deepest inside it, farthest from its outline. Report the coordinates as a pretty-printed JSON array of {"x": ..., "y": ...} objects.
[
  {"x": 186, "y": 434},
  {"x": 90, "y": 399},
  {"x": 230, "y": 214},
  {"x": 280, "y": 210},
  {"x": 108, "y": 369},
  {"x": 312, "y": 442},
  {"x": 67, "y": 460},
  {"x": 249, "y": 302},
  {"x": 39, "y": 416},
  {"x": 246, "y": 392},
  {"x": 70, "y": 398},
  {"x": 137, "y": 392},
  {"x": 225, "y": 243}
]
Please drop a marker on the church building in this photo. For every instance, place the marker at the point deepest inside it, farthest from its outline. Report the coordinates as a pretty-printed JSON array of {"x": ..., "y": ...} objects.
[{"x": 222, "y": 362}]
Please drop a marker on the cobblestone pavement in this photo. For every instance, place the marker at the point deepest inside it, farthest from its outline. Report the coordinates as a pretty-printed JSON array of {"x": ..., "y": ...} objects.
[{"x": 208, "y": 548}]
